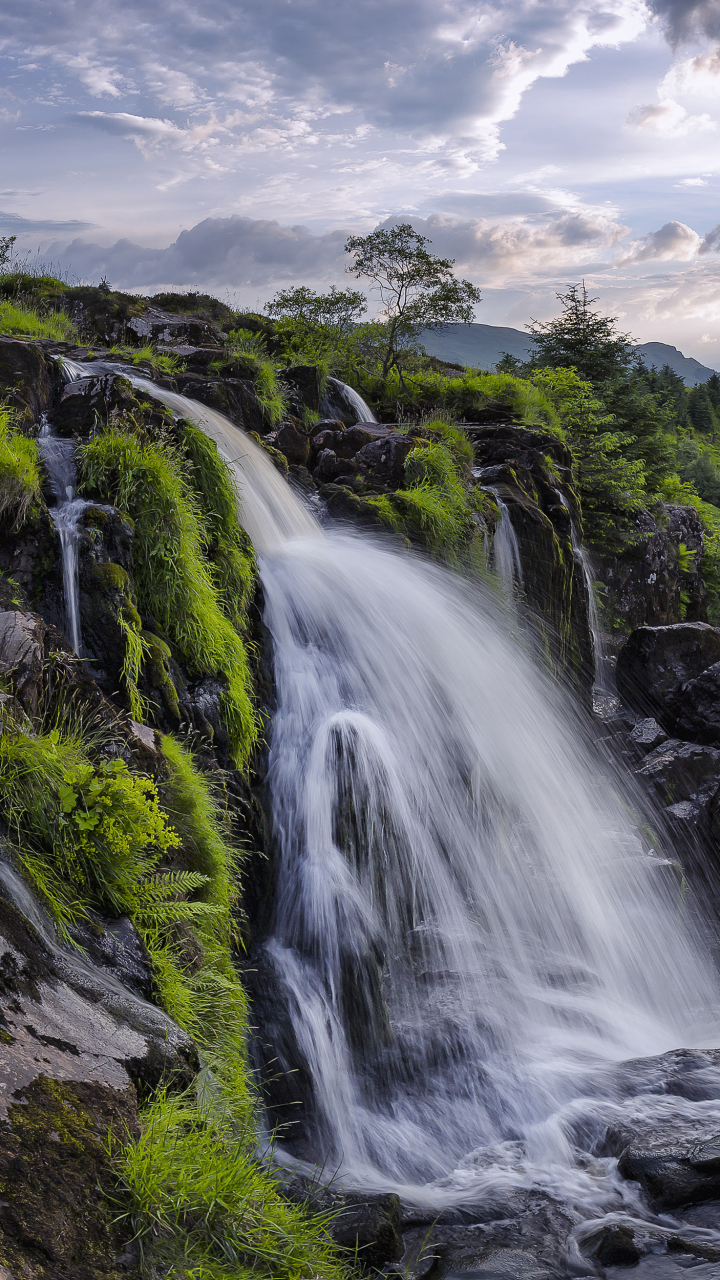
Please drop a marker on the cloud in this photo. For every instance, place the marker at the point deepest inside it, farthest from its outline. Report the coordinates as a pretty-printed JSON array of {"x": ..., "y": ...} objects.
[
  {"x": 711, "y": 243},
  {"x": 15, "y": 222},
  {"x": 224, "y": 252},
  {"x": 686, "y": 18},
  {"x": 668, "y": 119},
  {"x": 435, "y": 72},
  {"x": 242, "y": 252},
  {"x": 673, "y": 242},
  {"x": 692, "y": 182}
]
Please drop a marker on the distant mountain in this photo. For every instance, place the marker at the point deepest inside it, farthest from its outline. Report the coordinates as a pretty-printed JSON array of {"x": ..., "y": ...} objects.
[{"x": 482, "y": 345}]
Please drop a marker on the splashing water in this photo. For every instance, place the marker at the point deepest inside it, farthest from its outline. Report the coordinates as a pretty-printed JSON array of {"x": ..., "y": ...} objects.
[
  {"x": 351, "y": 399},
  {"x": 468, "y": 935}
]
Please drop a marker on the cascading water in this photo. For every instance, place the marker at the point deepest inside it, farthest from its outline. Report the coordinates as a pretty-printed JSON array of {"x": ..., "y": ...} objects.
[
  {"x": 505, "y": 550},
  {"x": 350, "y": 398},
  {"x": 583, "y": 559},
  {"x": 469, "y": 936},
  {"x": 59, "y": 458}
]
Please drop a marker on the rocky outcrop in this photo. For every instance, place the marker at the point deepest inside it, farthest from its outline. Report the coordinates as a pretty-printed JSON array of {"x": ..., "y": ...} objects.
[
  {"x": 657, "y": 663},
  {"x": 655, "y": 581}
]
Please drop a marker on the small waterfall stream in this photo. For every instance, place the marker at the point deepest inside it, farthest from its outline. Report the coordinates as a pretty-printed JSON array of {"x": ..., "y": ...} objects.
[
  {"x": 58, "y": 456},
  {"x": 469, "y": 935},
  {"x": 505, "y": 550}
]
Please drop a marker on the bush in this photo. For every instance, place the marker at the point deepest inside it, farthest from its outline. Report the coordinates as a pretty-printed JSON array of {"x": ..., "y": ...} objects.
[
  {"x": 434, "y": 508},
  {"x": 20, "y": 482},
  {"x": 173, "y": 579}
]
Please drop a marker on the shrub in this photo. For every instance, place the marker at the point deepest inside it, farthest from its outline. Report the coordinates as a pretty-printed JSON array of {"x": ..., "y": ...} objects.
[
  {"x": 434, "y": 508},
  {"x": 20, "y": 482},
  {"x": 173, "y": 579},
  {"x": 251, "y": 349}
]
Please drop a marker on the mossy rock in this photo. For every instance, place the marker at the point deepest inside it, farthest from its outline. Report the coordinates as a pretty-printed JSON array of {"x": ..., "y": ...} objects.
[{"x": 61, "y": 1211}]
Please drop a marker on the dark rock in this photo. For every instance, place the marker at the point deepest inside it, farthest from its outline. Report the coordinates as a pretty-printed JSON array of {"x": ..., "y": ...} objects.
[
  {"x": 655, "y": 662},
  {"x": 234, "y": 397},
  {"x": 116, "y": 946},
  {"x": 304, "y": 381},
  {"x": 647, "y": 735},
  {"x": 368, "y": 1226},
  {"x": 91, "y": 400},
  {"x": 326, "y": 424},
  {"x": 384, "y": 459},
  {"x": 327, "y": 466},
  {"x": 650, "y": 583},
  {"x": 29, "y": 379},
  {"x": 613, "y": 1246},
  {"x": 677, "y": 770},
  {"x": 292, "y": 439},
  {"x": 674, "y": 1175},
  {"x": 699, "y": 713},
  {"x": 162, "y": 328},
  {"x": 508, "y": 1264},
  {"x": 343, "y": 504}
]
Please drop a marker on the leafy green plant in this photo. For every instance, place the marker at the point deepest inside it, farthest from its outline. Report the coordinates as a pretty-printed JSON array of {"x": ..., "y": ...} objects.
[
  {"x": 173, "y": 578},
  {"x": 434, "y": 508},
  {"x": 20, "y": 482}
]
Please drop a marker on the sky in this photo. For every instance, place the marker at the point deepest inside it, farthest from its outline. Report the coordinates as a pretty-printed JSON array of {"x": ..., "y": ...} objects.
[{"x": 231, "y": 147}]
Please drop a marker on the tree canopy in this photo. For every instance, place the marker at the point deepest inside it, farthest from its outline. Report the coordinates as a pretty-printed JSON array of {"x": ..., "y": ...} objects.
[
  {"x": 581, "y": 339},
  {"x": 416, "y": 289}
]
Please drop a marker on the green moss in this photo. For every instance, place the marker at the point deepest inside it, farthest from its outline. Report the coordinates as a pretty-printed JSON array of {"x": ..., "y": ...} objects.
[
  {"x": 279, "y": 459},
  {"x": 111, "y": 577},
  {"x": 248, "y": 352},
  {"x": 23, "y": 321},
  {"x": 173, "y": 578},
  {"x": 20, "y": 482},
  {"x": 434, "y": 509},
  {"x": 156, "y": 664}
]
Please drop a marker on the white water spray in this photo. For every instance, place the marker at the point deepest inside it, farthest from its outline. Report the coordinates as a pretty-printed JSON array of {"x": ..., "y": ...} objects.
[{"x": 468, "y": 933}]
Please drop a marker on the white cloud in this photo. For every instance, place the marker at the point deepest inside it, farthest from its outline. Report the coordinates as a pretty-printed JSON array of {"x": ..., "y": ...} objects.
[
  {"x": 669, "y": 119},
  {"x": 692, "y": 182},
  {"x": 674, "y": 242}
]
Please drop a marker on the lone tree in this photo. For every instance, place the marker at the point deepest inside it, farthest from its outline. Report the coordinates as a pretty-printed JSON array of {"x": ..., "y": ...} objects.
[
  {"x": 581, "y": 338},
  {"x": 417, "y": 290}
]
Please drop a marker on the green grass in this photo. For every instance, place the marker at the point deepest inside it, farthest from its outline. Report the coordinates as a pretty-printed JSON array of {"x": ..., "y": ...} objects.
[
  {"x": 20, "y": 480},
  {"x": 466, "y": 395},
  {"x": 160, "y": 360},
  {"x": 173, "y": 578},
  {"x": 207, "y": 1210},
  {"x": 19, "y": 320},
  {"x": 249, "y": 350},
  {"x": 434, "y": 508}
]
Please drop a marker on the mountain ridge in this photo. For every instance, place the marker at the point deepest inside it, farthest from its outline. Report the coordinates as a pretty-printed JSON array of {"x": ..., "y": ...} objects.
[{"x": 481, "y": 346}]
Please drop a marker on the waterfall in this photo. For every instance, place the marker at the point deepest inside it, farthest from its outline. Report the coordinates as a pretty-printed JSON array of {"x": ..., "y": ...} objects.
[
  {"x": 583, "y": 559},
  {"x": 505, "y": 550},
  {"x": 59, "y": 458},
  {"x": 469, "y": 934},
  {"x": 350, "y": 398}
]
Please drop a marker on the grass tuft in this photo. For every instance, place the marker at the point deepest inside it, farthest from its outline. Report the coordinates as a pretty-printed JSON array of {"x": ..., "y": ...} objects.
[
  {"x": 20, "y": 481},
  {"x": 173, "y": 579},
  {"x": 19, "y": 320}
]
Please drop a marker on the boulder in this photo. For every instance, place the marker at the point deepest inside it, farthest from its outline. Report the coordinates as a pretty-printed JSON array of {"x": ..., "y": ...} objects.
[
  {"x": 29, "y": 378},
  {"x": 368, "y": 1226},
  {"x": 384, "y": 459},
  {"x": 677, "y": 770},
  {"x": 292, "y": 439},
  {"x": 699, "y": 707},
  {"x": 304, "y": 383},
  {"x": 165, "y": 329},
  {"x": 647, "y": 734},
  {"x": 22, "y": 656},
  {"x": 674, "y": 1175},
  {"x": 613, "y": 1246},
  {"x": 655, "y": 662},
  {"x": 91, "y": 400}
]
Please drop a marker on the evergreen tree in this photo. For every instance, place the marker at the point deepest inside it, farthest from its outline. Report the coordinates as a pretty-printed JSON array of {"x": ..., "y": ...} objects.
[
  {"x": 581, "y": 339},
  {"x": 700, "y": 409}
]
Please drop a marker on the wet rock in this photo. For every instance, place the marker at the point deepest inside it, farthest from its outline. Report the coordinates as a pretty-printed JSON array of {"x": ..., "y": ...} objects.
[
  {"x": 699, "y": 713},
  {"x": 508, "y": 1264},
  {"x": 655, "y": 662},
  {"x": 116, "y": 947},
  {"x": 647, "y": 734},
  {"x": 678, "y": 770},
  {"x": 327, "y": 465},
  {"x": 91, "y": 400},
  {"x": 651, "y": 583},
  {"x": 292, "y": 439},
  {"x": 325, "y": 424},
  {"x": 29, "y": 378},
  {"x": 384, "y": 459},
  {"x": 613, "y": 1246},
  {"x": 676, "y": 1175},
  {"x": 368, "y": 1226},
  {"x": 234, "y": 397},
  {"x": 21, "y": 656},
  {"x": 304, "y": 381}
]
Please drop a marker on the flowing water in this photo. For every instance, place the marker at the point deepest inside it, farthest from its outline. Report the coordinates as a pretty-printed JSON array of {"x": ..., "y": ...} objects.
[
  {"x": 505, "y": 551},
  {"x": 350, "y": 398},
  {"x": 58, "y": 456},
  {"x": 469, "y": 936}
]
